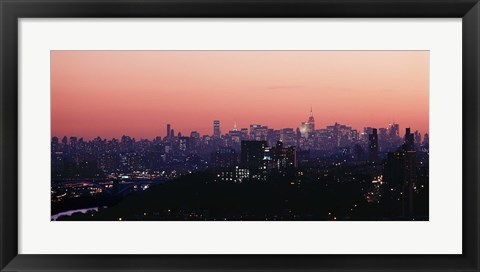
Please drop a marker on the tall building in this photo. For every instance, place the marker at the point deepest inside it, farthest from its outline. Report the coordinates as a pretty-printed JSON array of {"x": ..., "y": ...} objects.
[
  {"x": 183, "y": 143},
  {"x": 216, "y": 129},
  {"x": 304, "y": 129},
  {"x": 311, "y": 124},
  {"x": 168, "y": 131},
  {"x": 394, "y": 131},
  {"x": 252, "y": 153},
  {"x": 307, "y": 129},
  {"x": 373, "y": 146},
  {"x": 258, "y": 132},
  {"x": 366, "y": 133},
  {"x": 400, "y": 171},
  {"x": 418, "y": 138},
  {"x": 426, "y": 140},
  {"x": 298, "y": 134},
  {"x": 224, "y": 157},
  {"x": 287, "y": 136},
  {"x": 273, "y": 136},
  {"x": 244, "y": 134},
  {"x": 284, "y": 157},
  {"x": 409, "y": 139},
  {"x": 383, "y": 133},
  {"x": 194, "y": 135},
  {"x": 234, "y": 136},
  {"x": 195, "y": 140}
]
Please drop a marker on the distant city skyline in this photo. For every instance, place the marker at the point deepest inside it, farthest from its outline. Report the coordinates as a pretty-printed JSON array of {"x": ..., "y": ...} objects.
[
  {"x": 224, "y": 131},
  {"x": 137, "y": 93}
]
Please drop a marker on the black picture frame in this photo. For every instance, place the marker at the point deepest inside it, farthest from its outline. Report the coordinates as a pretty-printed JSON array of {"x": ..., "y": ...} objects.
[{"x": 12, "y": 10}]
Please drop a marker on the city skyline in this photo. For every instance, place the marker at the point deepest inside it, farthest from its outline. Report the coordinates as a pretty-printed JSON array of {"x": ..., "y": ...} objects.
[
  {"x": 224, "y": 131},
  {"x": 239, "y": 135},
  {"x": 136, "y": 93},
  {"x": 381, "y": 174}
]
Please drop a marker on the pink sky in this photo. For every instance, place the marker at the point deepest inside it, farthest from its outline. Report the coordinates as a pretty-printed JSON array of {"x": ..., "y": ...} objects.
[{"x": 136, "y": 93}]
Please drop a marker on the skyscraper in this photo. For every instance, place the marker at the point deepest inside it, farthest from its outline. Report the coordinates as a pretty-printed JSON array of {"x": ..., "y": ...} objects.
[
  {"x": 287, "y": 136},
  {"x": 168, "y": 131},
  {"x": 304, "y": 129},
  {"x": 409, "y": 140},
  {"x": 394, "y": 131},
  {"x": 244, "y": 133},
  {"x": 224, "y": 158},
  {"x": 401, "y": 171},
  {"x": 183, "y": 143},
  {"x": 311, "y": 124},
  {"x": 307, "y": 129},
  {"x": 258, "y": 132},
  {"x": 216, "y": 129},
  {"x": 284, "y": 157},
  {"x": 418, "y": 138},
  {"x": 426, "y": 140},
  {"x": 252, "y": 153},
  {"x": 194, "y": 140},
  {"x": 373, "y": 146}
]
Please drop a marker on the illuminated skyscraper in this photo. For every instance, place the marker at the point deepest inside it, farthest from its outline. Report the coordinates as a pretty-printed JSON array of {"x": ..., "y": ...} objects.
[
  {"x": 304, "y": 129},
  {"x": 307, "y": 129},
  {"x": 284, "y": 157},
  {"x": 311, "y": 124},
  {"x": 258, "y": 132},
  {"x": 234, "y": 136},
  {"x": 216, "y": 129}
]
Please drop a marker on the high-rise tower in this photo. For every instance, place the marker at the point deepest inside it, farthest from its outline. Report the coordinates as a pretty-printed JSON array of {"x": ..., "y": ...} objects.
[
  {"x": 216, "y": 129},
  {"x": 373, "y": 146},
  {"x": 311, "y": 124}
]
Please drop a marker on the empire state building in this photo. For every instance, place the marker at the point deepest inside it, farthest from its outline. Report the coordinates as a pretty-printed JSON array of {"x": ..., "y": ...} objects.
[{"x": 311, "y": 124}]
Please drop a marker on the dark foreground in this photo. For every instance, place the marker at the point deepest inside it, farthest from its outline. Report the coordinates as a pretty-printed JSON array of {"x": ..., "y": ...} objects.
[{"x": 284, "y": 196}]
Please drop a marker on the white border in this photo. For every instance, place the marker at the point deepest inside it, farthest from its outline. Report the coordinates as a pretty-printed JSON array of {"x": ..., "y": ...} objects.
[{"x": 442, "y": 234}]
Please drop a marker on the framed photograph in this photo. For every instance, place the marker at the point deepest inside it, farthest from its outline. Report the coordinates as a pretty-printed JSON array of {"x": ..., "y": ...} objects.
[{"x": 239, "y": 135}]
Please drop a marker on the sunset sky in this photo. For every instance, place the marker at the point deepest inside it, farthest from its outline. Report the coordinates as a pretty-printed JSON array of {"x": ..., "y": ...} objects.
[{"x": 136, "y": 93}]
